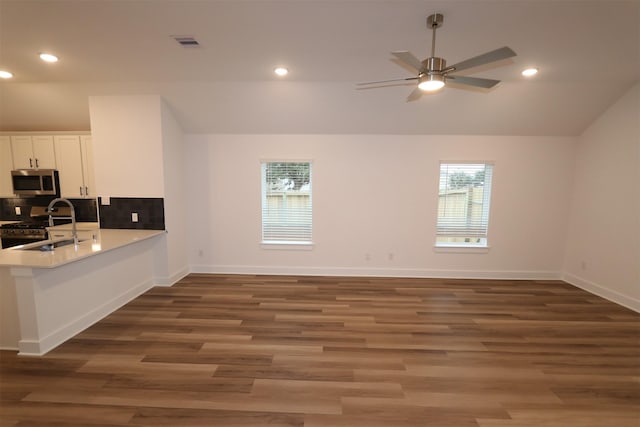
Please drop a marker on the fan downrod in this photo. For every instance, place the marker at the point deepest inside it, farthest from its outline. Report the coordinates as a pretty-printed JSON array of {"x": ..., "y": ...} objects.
[{"x": 434, "y": 22}]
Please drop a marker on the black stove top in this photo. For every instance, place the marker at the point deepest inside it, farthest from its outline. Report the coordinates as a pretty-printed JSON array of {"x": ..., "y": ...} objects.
[
  {"x": 39, "y": 219},
  {"x": 32, "y": 229},
  {"x": 19, "y": 233},
  {"x": 26, "y": 224}
]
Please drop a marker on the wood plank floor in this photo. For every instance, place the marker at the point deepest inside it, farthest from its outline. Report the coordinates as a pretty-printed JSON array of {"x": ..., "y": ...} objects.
[{"x": 234, "y": 350}]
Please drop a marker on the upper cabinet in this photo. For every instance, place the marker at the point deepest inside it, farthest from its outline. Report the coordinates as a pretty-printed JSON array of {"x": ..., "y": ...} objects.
[
  {"x": 73, "y": 156},
  {"x": 86, "y": 146},
  {"x": 33, "y": 152},
  {"x": 6, "y": 165}
]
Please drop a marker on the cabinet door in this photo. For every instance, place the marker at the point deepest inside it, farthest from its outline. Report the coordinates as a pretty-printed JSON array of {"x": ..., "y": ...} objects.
[
  {"x": 69, "y": 161},
  {"x": 87, "y": 166},
  {"x": 22, "y": 152},
  {"x": 6, "y": 165},
  {"x": 33, "y": 152},
  {"x": 43, "y": 152}
]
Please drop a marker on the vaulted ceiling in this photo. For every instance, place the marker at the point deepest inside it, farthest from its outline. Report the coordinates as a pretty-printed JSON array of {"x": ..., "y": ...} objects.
[{"x": 588, "y": 54}]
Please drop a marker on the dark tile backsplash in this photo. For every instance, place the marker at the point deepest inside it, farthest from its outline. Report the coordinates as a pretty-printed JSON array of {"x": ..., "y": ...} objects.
[
  {"x": 117, "y": 214},
  {"x": 86, "y": 209}
]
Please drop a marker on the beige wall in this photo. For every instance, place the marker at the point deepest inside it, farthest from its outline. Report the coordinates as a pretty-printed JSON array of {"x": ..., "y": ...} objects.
[
  {"x": 127, "y": 145},
  {"x": 354, "y": 233},
  {"x": 603, "y": 244},
  {"x": 175, "y": 207},
  {"x": 138, "y": 152}
]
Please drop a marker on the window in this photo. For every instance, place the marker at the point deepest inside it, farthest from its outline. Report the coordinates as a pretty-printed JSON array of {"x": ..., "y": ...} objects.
[
  {"x": 286, "y": 202},
  {"x": 463, "y": 204}
]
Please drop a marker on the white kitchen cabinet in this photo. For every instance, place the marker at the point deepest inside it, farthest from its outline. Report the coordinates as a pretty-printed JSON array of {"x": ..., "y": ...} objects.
[
  {"x": 86, "y": 146},
  {"x": 33, "y": 152},
  {"x": 6, "y": 165},
  {"x": 74, "y": 157}
]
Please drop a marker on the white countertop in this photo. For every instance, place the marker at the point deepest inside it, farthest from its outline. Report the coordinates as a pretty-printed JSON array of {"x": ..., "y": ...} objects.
[
  {"x": 79, "y": 226},
  {"x": 105, "y": 240}
]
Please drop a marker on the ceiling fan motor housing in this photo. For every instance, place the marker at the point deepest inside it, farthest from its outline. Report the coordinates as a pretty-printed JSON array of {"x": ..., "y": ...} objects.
[{"x": 433, "y": 65}]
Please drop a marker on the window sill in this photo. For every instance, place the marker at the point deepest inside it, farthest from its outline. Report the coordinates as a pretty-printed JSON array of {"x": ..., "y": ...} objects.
[
  {"x": 289, "y": 246},
  {"x": 459, "y": 249}
]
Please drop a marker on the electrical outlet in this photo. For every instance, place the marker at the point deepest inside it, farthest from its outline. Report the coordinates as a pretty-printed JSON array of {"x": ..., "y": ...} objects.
[
  {"x": 18, "y": 210},
  {"x": 134, "y": 216}
]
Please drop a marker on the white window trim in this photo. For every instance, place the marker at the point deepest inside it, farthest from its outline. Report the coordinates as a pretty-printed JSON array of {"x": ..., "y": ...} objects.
[
  {"x": 283, "y": 244},
  {"x": 462, "y": 247},
  {"x": 448, "y": 248},
  {"x": 290, "y": 246}
]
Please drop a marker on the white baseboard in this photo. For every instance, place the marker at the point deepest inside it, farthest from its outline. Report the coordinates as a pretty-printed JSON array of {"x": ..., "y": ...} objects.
[
  {"x": 377, "y": 272},
  {"x": 9, "y": 348},
  {"x": 167, "y": 281},
  {"x": 604, "y": 292},
  {"x": 54, "y": 339}
]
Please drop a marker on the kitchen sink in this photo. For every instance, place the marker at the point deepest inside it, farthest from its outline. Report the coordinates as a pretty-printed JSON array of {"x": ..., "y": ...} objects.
[{"x": 48, "y": 246}]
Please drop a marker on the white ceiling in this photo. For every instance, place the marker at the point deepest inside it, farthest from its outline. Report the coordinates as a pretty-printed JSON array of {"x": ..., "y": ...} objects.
[{"x": 588, "y": 53}]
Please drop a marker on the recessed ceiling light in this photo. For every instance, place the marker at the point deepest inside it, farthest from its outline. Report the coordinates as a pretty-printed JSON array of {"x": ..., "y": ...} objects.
[
  {"x": 281, "y": 71},
  {"x": 5, "y": 74},
  {"x": 530, "y": 72},
  {"x": 47, "y": 57}
]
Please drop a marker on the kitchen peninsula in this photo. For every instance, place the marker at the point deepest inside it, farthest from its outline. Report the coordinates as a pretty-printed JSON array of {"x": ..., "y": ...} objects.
[
  {"x": 61, "y": 292},
  {"x": 55, "y": 296}
]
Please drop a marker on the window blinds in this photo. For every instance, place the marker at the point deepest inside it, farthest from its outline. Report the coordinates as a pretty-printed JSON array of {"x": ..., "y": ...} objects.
[
  {"x": 286, "y": 202},
  {"x": 463, "y": 203}
]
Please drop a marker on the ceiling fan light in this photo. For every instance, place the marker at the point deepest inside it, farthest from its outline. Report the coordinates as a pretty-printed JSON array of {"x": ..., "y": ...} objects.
[
  {"x": 530, "y": 72},
  {"x": 430, "y": 83}
]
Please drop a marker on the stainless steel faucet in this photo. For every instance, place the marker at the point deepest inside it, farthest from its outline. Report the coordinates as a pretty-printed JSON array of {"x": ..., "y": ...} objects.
[{"x": 50, "y": 209}]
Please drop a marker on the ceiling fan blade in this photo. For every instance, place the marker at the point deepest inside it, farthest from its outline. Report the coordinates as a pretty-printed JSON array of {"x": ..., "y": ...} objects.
[
  {"x": 386, "y": 81},
  {"x": 415, "y": 94},
  {"x": 474, "y": 81},
  {"x": 485, "y": 58},
  {"x": 409, "y": 59}
]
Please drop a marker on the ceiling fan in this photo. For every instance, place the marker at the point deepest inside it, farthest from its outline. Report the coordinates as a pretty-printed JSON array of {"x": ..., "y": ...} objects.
[{"x": 433, "y": 73}]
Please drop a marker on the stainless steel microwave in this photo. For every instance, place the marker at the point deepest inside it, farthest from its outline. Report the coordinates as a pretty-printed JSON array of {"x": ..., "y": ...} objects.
[{"x": 35, "y": 182}]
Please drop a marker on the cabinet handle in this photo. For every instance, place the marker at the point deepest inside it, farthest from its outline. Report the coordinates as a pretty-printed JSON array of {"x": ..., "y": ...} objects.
[
  {"x": 86, "y": 191},
  {"x": 81, "y": 190},
  {"x": 30, "y": 162},
  {"x": 37, "y": 166}
]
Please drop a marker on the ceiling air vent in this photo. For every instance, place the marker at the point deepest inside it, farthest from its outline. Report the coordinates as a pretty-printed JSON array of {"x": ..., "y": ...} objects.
[{"x": 186, "y": 41}]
